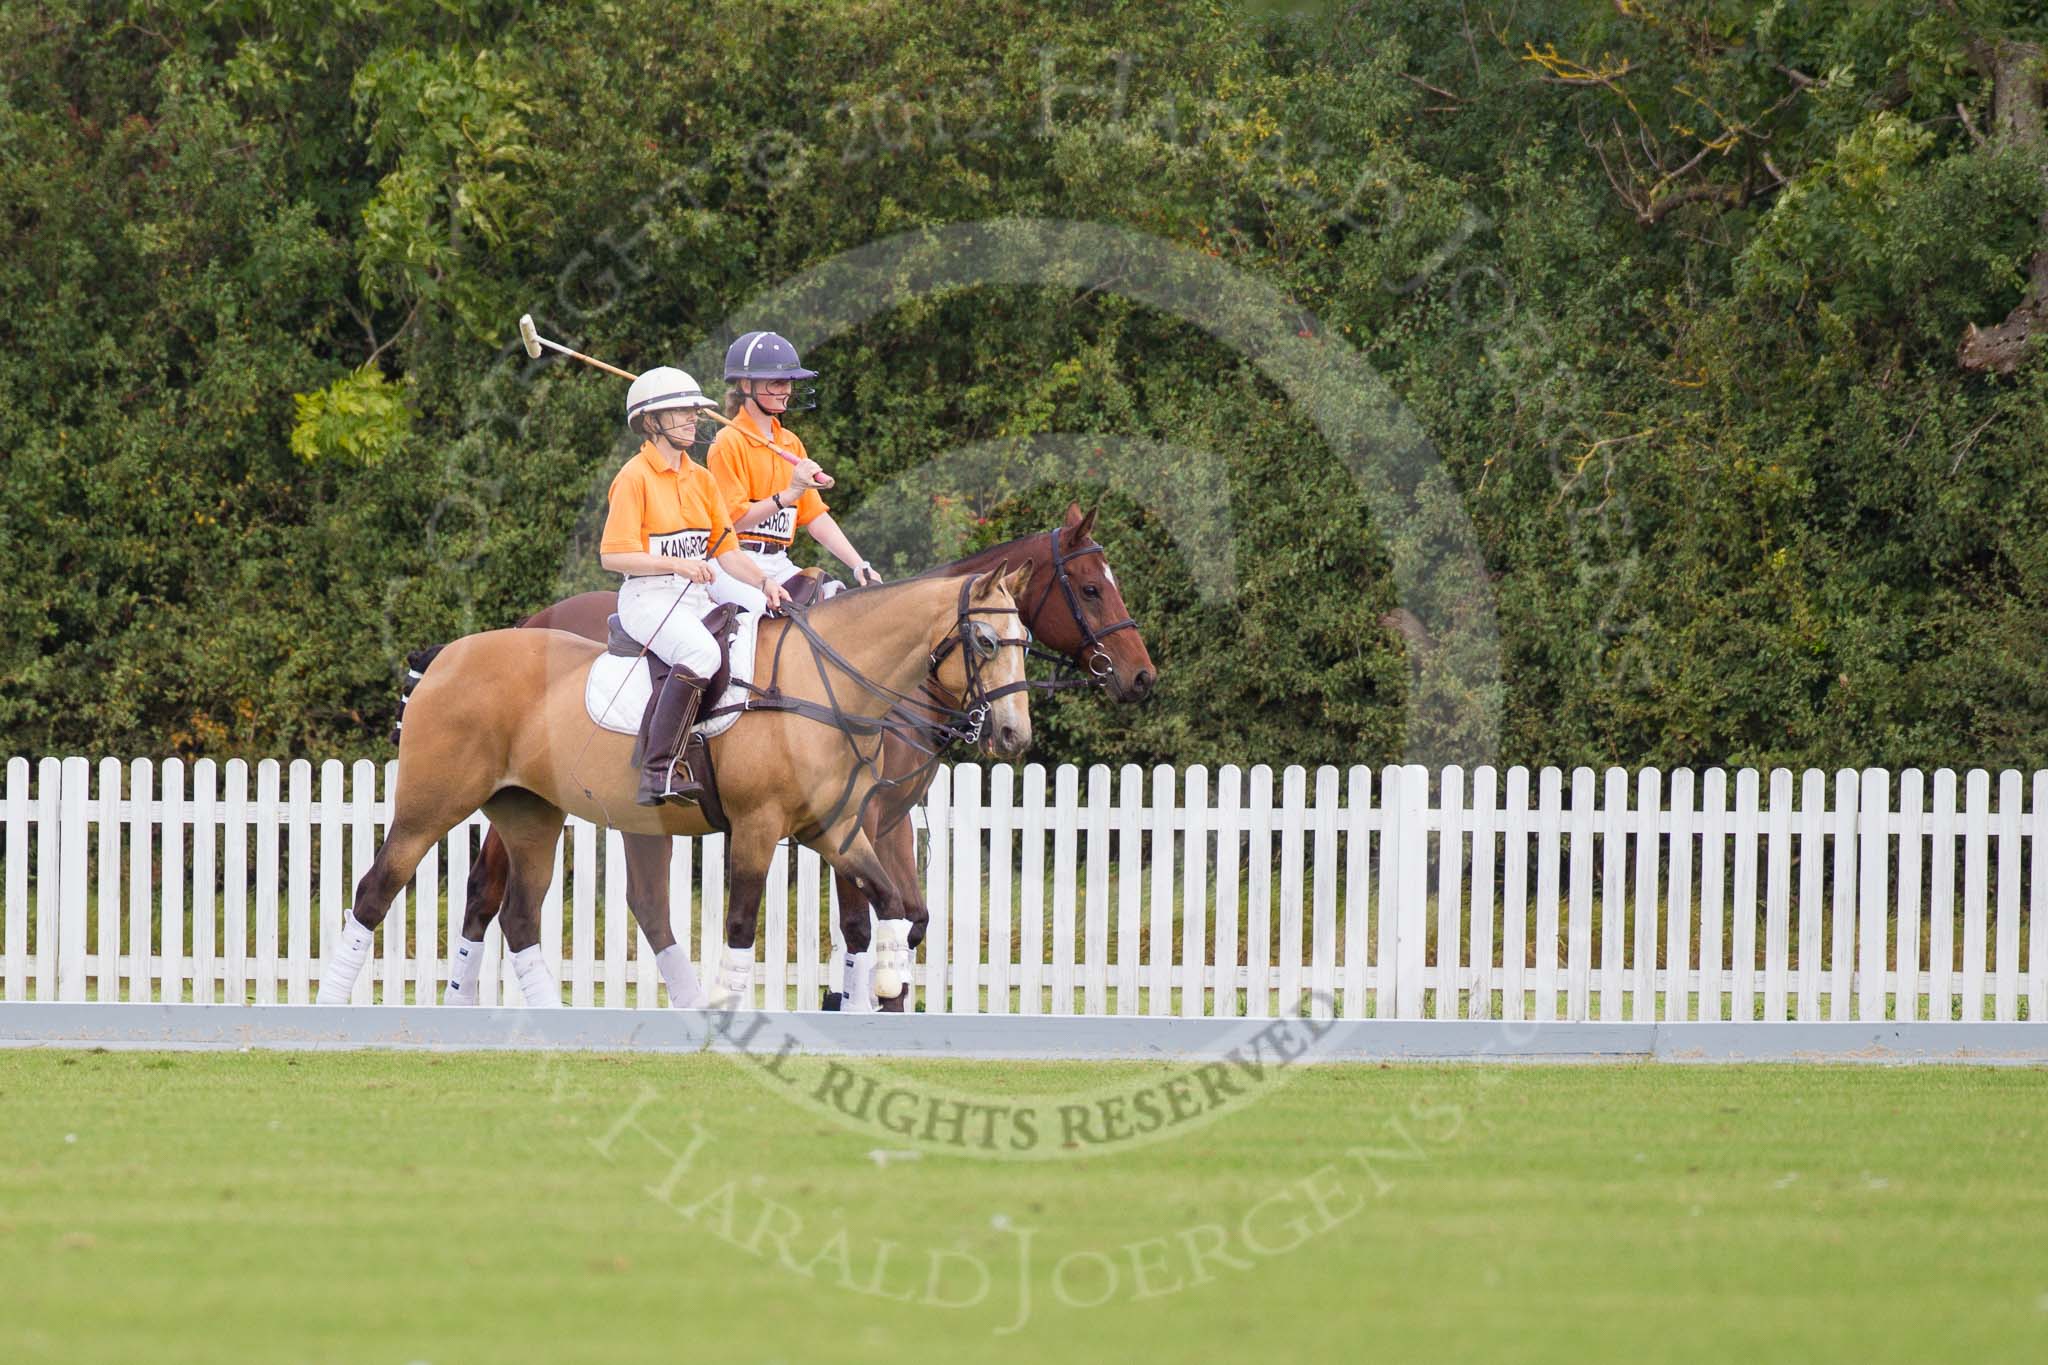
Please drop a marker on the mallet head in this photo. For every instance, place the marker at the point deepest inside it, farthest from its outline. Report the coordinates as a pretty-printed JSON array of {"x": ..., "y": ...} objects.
[{"x": 528, "y": 337}]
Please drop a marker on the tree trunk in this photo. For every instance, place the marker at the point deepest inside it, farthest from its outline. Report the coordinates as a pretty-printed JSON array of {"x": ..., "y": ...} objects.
[{"x": 2016, "y": 117}]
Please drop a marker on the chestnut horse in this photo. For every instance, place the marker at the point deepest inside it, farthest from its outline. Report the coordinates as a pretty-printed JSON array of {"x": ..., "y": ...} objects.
[
  {"x": 498, "y": 721},
  {"x": 1077, "y": 612}
]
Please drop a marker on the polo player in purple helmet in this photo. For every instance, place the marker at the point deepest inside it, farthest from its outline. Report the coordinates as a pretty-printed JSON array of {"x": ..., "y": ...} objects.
[{"x": 770, "y": 501}]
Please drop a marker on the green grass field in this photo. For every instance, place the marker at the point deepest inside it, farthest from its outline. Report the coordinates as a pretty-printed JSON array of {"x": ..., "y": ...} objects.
[{"x": 376, "y": 1207}]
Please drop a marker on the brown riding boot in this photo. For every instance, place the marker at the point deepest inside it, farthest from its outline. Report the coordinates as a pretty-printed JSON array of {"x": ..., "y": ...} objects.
[{"x": 668, "y": 724}]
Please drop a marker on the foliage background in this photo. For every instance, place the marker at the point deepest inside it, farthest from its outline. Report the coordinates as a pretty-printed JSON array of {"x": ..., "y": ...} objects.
[{"x": 1675, "y": 288}]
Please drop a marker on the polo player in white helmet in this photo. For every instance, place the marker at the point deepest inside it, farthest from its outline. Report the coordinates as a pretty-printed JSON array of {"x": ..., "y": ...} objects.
[
  {"x": 666, "y": 526},
  {"x": 768, "y": 509}
]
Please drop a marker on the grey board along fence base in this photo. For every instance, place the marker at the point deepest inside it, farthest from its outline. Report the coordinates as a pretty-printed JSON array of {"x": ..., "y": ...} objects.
[{"x": 413, "y": 1028}]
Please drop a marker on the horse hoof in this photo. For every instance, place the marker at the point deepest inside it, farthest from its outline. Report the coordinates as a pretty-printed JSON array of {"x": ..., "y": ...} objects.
[{"x": 895, "y": 1004}]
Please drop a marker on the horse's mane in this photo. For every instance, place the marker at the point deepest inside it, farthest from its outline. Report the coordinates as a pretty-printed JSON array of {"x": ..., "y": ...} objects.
[{"x": 981, "y": 561}]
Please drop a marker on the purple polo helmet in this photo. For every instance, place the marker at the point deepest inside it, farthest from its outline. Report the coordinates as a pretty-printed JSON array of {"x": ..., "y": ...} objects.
[{"x": 768, "y": 355}]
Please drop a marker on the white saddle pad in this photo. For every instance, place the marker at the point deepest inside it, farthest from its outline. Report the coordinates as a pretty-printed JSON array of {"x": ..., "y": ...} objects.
[{"x": 615, "y": 694}]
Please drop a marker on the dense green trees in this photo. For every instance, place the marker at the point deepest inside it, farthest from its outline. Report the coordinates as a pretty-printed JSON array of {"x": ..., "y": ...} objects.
[{"x": 1682, "y": 295}]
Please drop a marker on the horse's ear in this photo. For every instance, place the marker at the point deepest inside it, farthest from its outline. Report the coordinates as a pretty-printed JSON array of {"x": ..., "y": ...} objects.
[
  {"x": 1020, "y": 579},
  {"x": 1086, "y": 524},
  {"x": 990, "y": 581},
  {"x": 1073, "y": 513}
]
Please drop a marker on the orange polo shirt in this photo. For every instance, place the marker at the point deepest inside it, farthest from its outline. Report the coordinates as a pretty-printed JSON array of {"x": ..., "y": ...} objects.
[
  {"x": 661, "y": 511},
  {"x": 748, "y": 471}
]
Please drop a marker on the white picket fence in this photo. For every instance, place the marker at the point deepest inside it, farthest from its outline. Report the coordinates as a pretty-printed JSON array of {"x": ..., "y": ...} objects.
[{"x": 1396, "y": 893}]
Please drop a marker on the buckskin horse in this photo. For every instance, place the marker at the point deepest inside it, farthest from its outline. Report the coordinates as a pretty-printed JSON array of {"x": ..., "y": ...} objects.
[
  {"x": 1077, "y": 612},
  {"x": 499, "y": 722}
]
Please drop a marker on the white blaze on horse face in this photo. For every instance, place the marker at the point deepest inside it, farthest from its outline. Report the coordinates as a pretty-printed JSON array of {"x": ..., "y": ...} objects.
[{"x": 1106, "y": 573}]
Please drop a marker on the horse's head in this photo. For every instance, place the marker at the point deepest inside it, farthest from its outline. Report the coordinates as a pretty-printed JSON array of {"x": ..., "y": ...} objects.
[
  {"x": 981, "y": 658},
  {"x": 1079, "y": 611}
]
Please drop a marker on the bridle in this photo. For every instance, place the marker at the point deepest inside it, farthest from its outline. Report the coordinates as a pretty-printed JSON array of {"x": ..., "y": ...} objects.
[{"x": 1092, "y": 653}]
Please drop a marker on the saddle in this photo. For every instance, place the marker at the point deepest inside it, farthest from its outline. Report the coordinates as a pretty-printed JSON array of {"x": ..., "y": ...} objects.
[{"x": 722, "y": 621}]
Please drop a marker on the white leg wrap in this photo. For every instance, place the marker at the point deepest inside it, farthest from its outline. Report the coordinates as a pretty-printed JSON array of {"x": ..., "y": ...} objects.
[
  {"x": 860, "y": 984},
  {"x": 683, "y": 991},
  {"x": 351, "y": 951},
  {"x": 735, "y": 986},
  {"x": 536, "y": 982},
  {"x": 463, "y": 965},
  {"x": 892, "y": 957}
]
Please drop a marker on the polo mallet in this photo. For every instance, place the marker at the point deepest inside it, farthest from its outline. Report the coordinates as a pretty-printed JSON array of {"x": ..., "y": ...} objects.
[{"x": 532, "y": 340}]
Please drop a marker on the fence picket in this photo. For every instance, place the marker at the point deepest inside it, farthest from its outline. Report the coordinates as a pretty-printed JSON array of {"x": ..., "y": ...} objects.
[
  {"x": 332, "y": 853},
  {"x": 1912, "y": 838},
  {"x": 1643, "y": 966},
  {"x": 1002, "y": 782},
  {"x": 2007, "y": 978},
  {"x": 1293, "y": 817},
  {"x": 1976, "y": 840},
  {"x": 1941, "y": 914},
  {"x": 72, "y": 849},
  {"x": 618, "y": 920},
  {"x": 1549, "y": 853},
  {"x": 1516, "y": 827},
  {"x": 142, "y": 817},
  {"x": 1713, "y": 867},
  {"x": 1777, "y": 948},
  {"x": 582, "y": 919},
  {"x": 173, "y": 957},
  {"x": 14, "y": 931},
  {"x": 1229, "y": 836},
  {"x": 1873, "y": 884},
  {"x": 1194, "y": 893},
  {"x": 1842, "y": 949},
  {"x": 1159, "y": 948},
  {"x": 1678, "y": 915},
  {"x": 49, "y": 918},
  {"x": 2037, "y": 905},
  {"x": 1450, "y": 880},
  {"x": 1412, "y": 930},
  {"x": 809, "y": 976},
  {"x": 362, "y": 836},
  {"x": 1579, "y": 946},
  {"x": 107, "y": 901},
  {"x": 1031, "y": 885},
  {"x": 1357, "y": 884},
  {"x": 966, "y": 917},
  {"x": 1130, "y": 886},
  {"x": 938, "y": 888},
  {"x": 1484, "y": 821},
  {"x": 773, "y": 937},
  {"x": 298, "y": 882},
  {"x": 1323, "y": 929},
  {"x": 1095, "y": 959},
  {"x": 1066, "y": 816},
  {"x": 1742, "y": 905},
  {"x": 1258, "y": 923},
  {"x": 1614, "y": 818},
  {"x": 265, "y": 819},
  {"x": 205, "y": 835}
]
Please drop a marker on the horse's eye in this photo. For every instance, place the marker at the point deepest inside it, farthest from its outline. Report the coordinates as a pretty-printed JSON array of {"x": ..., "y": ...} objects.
[{"x": 1090, "y": 590}]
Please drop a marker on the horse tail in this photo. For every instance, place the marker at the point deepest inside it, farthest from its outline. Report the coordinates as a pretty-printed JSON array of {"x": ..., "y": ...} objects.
[{"x": 415, "y": 666}]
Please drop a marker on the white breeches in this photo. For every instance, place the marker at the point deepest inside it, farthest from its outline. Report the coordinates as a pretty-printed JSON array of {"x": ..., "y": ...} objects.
[
  {"x": 778, "y": 568},
  {"x": 664, "y": 612}
]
